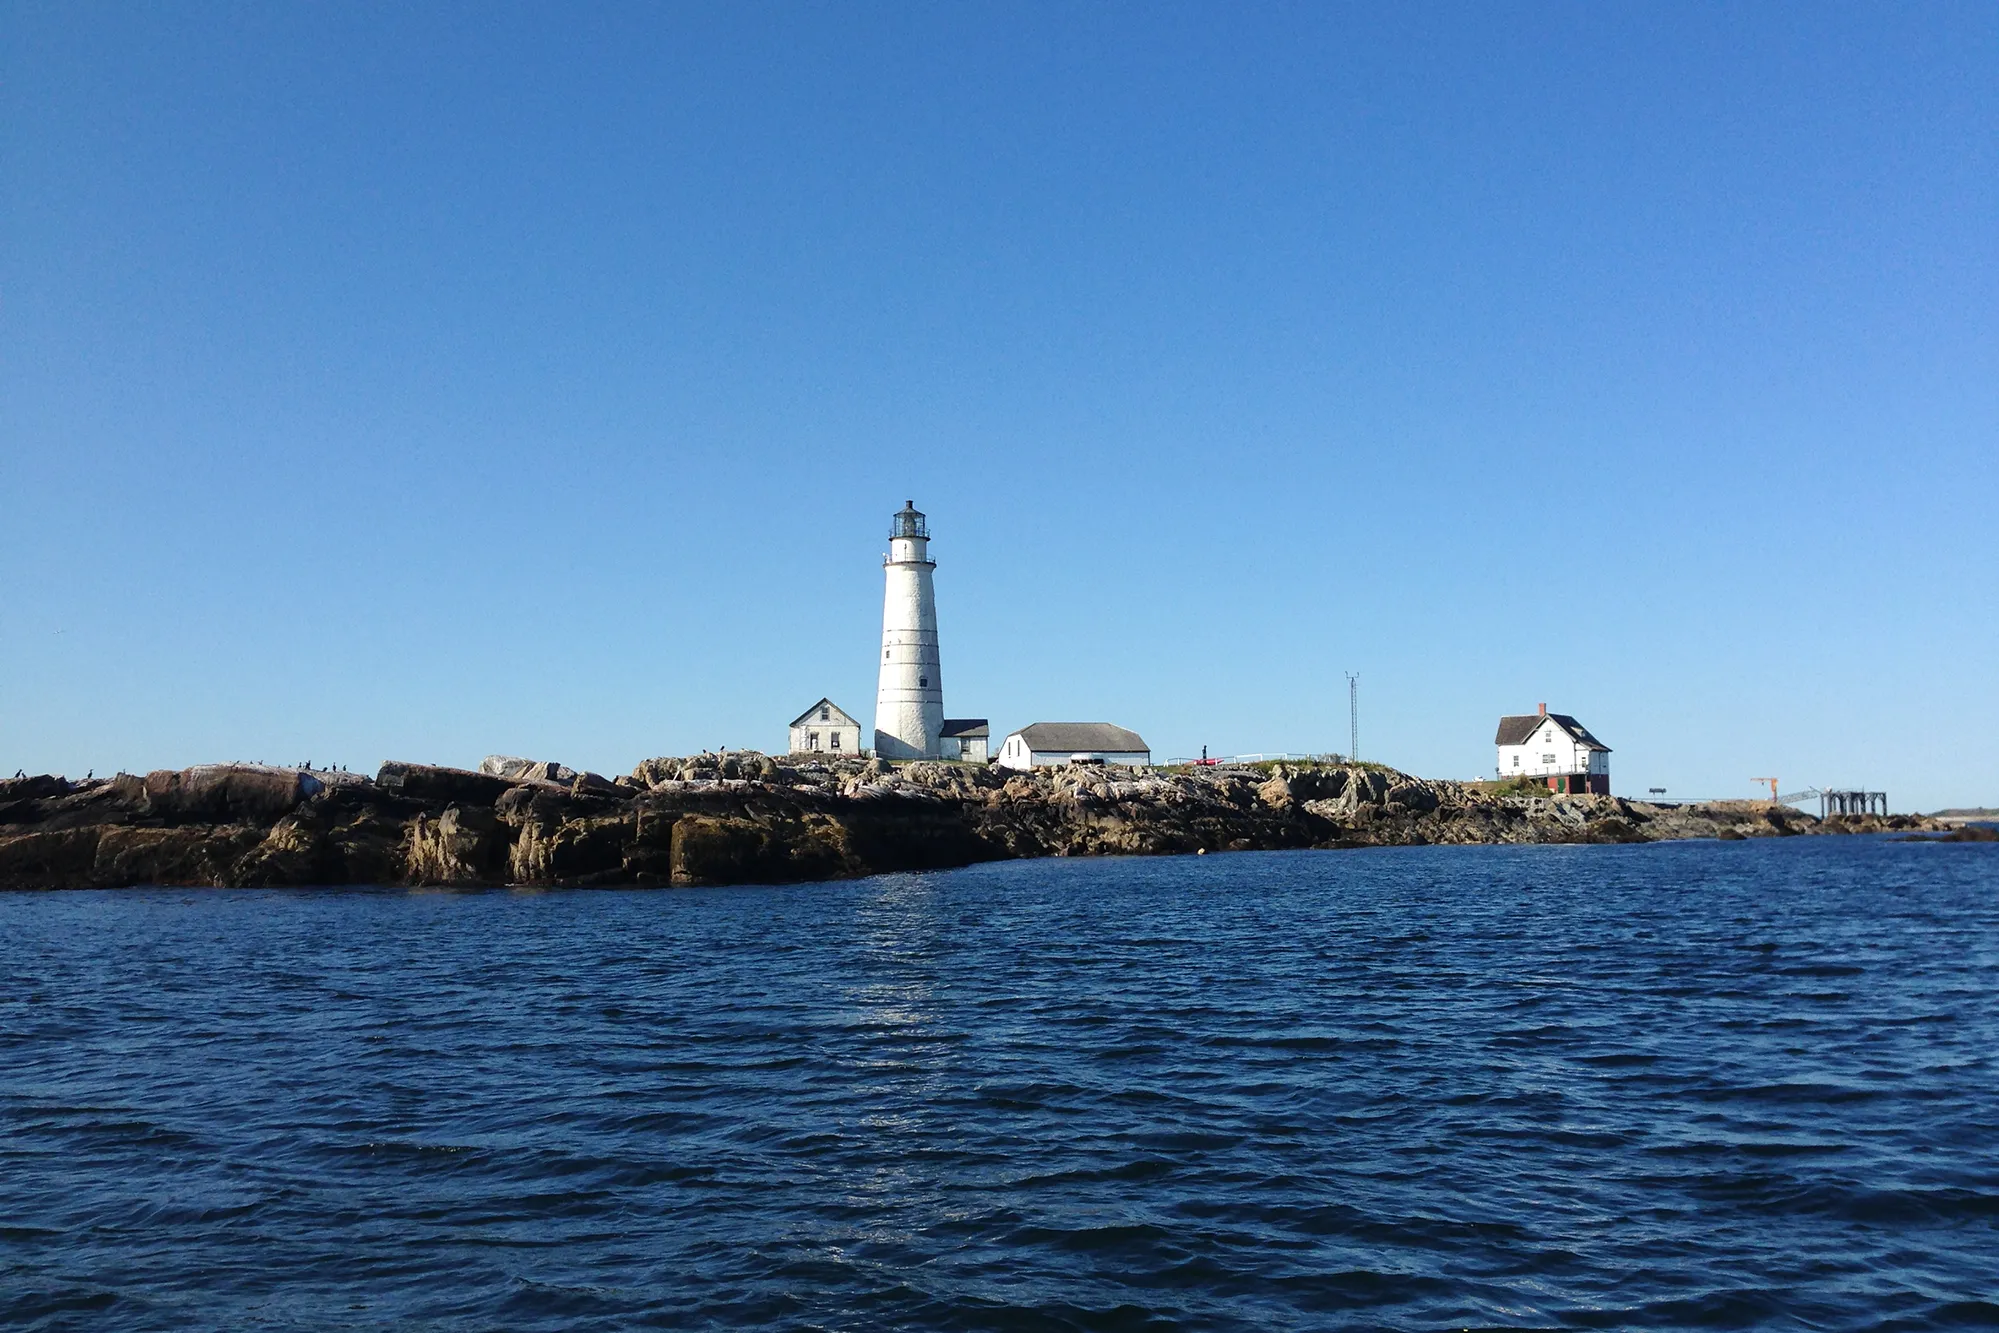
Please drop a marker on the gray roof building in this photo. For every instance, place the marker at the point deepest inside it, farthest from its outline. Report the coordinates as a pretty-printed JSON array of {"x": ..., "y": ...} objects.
[
  {"x": 1082, "y": 737},
  {"x": 1052, "y": 744}
]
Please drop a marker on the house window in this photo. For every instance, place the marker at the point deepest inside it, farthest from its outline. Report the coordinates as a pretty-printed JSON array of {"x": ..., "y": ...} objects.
[
  {"x": 825, "y": 715},
  {"x": 811, "y": 740},
  {"x": 1516, "y": 761},
  {"x": 1547, "y": 759}
]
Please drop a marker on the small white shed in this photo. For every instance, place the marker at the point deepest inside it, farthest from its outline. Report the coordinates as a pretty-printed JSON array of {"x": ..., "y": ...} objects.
[
  {"x": 965, "y": 738},
  {"x": 825, "y": 728},
  {"x": 1046, "y": 744}
]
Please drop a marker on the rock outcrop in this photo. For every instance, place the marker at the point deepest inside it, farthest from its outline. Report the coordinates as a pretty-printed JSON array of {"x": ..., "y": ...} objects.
[{"x": 742, "y": 817}]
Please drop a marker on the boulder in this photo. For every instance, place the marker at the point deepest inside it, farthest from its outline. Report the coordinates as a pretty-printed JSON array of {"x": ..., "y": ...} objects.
[
  {"x": 56, "y": 859},
  {"x": 718, "y": 850},
  {"x": 1416, "y": 796},
  {"x": 1316, "y": 784},
  {"x": 226, "y": 792},
  {"x": 117, "y": 857},
  {"x": 33, "y": 789},
  {"x": 748, "y": 765},
  {"x": 460, "y": 846},
  {"x": 651, "y": 772},
  {"x": 528, "y": 770},
  {"x": 1276, "y": 793},
  {"x": 529, "y": 801},
  {"x": 194, "y": 857},
  {"x": 572, "y": 850},
  {"x": 427, "y": 782}
]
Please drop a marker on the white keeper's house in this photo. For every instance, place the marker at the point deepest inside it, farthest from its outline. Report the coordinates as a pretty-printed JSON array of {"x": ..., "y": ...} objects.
[
  {"x": 1554, "y": 747},
  {"x": 1046, "y": 744},
  {"x": 825, "y": 728}
]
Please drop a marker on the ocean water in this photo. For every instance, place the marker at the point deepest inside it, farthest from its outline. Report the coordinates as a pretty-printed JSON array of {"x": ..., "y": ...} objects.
[{"x": 1698, "y": 1085}]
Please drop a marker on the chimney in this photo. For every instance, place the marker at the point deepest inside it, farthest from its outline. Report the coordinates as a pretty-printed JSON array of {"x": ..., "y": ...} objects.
[{"x": 1544, "y": 710}]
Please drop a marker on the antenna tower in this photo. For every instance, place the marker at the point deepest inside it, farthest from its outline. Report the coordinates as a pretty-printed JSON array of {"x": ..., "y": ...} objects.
[{"x": 1353, "y": 717}]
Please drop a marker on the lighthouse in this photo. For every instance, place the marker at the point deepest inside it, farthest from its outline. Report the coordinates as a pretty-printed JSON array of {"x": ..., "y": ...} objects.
[{"x": 909, "y": 704}]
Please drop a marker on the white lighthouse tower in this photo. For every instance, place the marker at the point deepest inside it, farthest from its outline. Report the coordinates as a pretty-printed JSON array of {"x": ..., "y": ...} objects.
[{"x": 909, "y": 705}]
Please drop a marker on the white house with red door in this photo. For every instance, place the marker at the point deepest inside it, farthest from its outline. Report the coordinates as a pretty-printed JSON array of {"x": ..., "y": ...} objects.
[{"x": 1556, "y": 748}]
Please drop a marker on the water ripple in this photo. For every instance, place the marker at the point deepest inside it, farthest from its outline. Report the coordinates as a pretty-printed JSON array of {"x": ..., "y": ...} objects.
[{"x": 1702, "y": 1085}]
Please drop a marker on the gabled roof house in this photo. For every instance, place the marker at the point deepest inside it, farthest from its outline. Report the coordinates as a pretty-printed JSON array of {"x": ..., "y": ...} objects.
[
  {"x": 825, "y": 728},
  {"x": 1556, "y": 747}
]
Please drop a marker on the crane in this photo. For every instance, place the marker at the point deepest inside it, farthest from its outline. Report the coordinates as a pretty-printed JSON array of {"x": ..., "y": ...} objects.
[{"x": 1789, "y": 798}]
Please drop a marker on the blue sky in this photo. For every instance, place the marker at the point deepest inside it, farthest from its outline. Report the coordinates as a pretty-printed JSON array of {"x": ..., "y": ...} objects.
[{"x": 426, "y": 382}]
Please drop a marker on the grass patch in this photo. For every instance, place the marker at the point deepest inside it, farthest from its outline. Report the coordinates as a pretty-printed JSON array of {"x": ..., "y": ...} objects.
[
  {"x": 1513, "y": 787},
  {"x": 1269, "y": 766}
]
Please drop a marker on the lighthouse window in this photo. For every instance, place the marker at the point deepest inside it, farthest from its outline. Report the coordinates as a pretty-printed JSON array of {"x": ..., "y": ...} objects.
[{"x": 923, "y": 682}]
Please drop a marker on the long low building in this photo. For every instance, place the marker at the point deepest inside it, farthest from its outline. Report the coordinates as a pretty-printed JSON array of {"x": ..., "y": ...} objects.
[{"x": 1046, "y": 744}]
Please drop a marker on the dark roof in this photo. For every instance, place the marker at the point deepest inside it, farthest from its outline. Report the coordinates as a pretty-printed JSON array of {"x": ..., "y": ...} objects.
[
  {"x": 1580, "y": 732},
  {"x": 966, "y": 726},
  {"x": 807, "y": 715},
  {"x": 1518, "y": 730},
  {"x": 1082, "y": 737}
]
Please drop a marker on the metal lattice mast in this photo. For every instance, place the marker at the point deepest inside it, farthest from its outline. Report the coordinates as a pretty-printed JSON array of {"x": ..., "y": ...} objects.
[{"x": 1353, "y": 717}]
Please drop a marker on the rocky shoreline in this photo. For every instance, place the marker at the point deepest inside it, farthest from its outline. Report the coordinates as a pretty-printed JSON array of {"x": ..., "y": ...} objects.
[{"x": 750, "y": 819}]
